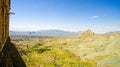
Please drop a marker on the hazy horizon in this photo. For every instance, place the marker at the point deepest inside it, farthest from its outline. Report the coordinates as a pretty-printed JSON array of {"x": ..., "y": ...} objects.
[{"x": 69, "y": 15}]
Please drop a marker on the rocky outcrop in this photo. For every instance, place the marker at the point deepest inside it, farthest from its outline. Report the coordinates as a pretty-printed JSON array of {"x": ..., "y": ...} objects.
[{"x": 87, "y": 33}]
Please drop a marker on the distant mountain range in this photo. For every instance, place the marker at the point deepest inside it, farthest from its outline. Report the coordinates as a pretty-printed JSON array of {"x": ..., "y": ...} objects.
[
  {"x": 112, "y": 32},
  {"x": 43, "y": 33},
  {"x": 47, "y": 33}
]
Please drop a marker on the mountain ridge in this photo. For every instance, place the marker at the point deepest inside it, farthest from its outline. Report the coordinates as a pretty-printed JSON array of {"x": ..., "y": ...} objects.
[{"x": 44, "y": 33}]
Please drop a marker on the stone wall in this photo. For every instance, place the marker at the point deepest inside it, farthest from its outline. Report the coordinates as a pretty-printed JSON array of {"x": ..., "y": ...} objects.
[{"x": 4, "y": 21}]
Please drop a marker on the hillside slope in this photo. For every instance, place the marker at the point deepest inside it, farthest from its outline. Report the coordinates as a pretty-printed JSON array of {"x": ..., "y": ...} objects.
[
  {"x": 95, "y": 50},
  {"x": 103, "y": 49}
]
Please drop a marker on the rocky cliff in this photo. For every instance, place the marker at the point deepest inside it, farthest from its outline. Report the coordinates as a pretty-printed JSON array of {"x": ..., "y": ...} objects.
[
  {"x": 4, "y": 21},
  {"x": 9, "y": 56}
]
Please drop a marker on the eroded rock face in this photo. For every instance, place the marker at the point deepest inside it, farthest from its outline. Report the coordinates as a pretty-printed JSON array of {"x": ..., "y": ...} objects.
[
  {"x": 4, "y": 21},
  {"x": 9, "y": 55}
]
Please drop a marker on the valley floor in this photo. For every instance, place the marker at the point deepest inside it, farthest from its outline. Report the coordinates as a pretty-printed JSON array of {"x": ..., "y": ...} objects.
[{"x": 87, "y": 51}]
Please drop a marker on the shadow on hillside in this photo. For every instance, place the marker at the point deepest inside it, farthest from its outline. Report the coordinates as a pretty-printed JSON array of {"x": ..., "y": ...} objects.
[{"x": 10, "y": 57}]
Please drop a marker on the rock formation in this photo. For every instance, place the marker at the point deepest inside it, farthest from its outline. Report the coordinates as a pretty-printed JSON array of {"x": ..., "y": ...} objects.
[
  {"x": 4, "y": 21},
  {"x": 87, "y": 33},
  {"x": 9, "y": 55}
]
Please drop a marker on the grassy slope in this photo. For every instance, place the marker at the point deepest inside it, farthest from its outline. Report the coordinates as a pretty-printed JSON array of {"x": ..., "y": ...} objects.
[{"x": 49, "y": 53}]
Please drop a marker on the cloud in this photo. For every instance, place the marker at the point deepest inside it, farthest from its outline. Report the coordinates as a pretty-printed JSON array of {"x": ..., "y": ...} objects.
[
  {"x": 23, "y": 27},
  {"x": 104, "y": 29},
  {"x": 94, "y": 17},
  {"x": 33, "y": 27},
  {"x": 76, "y": 28}
]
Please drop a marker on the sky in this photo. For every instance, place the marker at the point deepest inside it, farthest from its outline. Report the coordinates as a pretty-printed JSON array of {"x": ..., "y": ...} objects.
[{"x": 100, "y": 16}]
